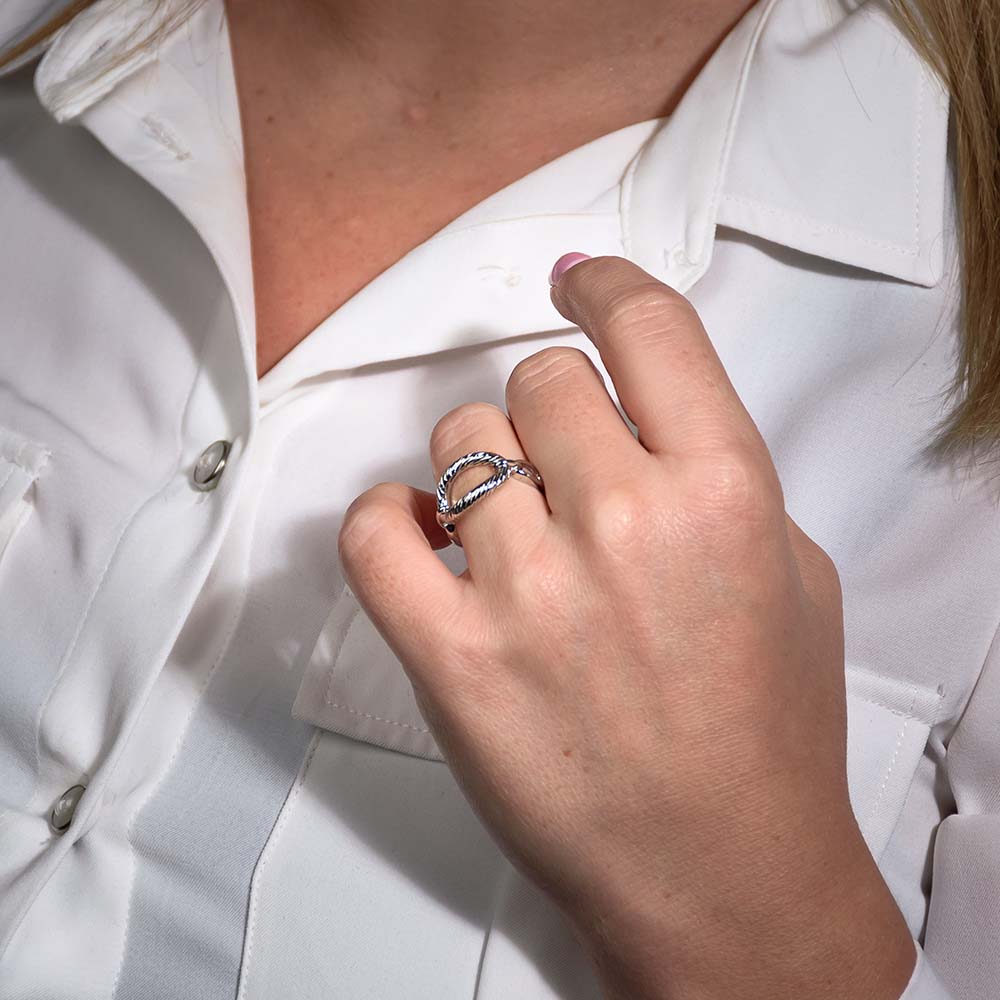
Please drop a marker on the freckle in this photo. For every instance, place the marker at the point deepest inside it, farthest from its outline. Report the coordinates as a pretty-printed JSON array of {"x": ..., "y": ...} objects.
[
  {"x": 260, "y": 91},
  {"x": 269, "y": 119},
  {"x": 437, "y": 95},
  {"x": 328, "y": 174}
]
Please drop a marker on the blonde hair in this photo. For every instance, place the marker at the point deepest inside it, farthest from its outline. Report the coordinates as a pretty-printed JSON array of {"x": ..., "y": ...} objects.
[{"x": 960, "y": 40}]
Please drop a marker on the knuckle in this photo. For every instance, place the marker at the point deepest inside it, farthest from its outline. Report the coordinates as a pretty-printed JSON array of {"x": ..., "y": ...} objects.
[
  {"x": 463, "y": 423},
  {"x": 648, "y": 306},
  {"x": 539, "y": 584},
  {"x": 618, "y": 516},
  {"x": 736, "y": 487},
  {"x": 543, "y": 367}
]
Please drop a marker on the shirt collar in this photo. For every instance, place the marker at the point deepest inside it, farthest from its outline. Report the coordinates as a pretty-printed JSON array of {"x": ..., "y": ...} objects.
[
  {"x": 815, "y": 126},
  {"x": 812, "y": 125}
]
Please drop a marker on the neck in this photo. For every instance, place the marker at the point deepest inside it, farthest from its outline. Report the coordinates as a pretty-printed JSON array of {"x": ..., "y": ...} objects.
[
  {"x": 370, "y": 124},
  {"x": 454, "y": 61}
]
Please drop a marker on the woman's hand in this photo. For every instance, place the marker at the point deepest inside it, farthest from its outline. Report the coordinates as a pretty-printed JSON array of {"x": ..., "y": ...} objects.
[{"x": 639, "y": 681}]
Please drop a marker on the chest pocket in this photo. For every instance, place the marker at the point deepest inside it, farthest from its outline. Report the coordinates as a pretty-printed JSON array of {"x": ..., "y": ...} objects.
[
  {"x": 354, "y": 685},
  {"x": 21, "y": 461},
  {"x": 888, "y": 723}
]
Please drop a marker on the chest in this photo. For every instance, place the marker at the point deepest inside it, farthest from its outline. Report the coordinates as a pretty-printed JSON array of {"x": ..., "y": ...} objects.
[
  {"x": 330, "y": 212},
  {"x": 320, "y": 237}
]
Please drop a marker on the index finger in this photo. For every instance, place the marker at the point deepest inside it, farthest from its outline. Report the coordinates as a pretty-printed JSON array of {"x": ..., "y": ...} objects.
[{"x": 665, "y": 369}]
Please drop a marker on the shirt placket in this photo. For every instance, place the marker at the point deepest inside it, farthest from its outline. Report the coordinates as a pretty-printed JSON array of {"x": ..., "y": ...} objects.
[{"x": 140, "y": 604}]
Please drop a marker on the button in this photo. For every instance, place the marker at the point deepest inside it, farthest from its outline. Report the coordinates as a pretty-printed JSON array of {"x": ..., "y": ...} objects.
[
  {"x": 208, "y": 468},
  {"x": 65, "y": 808}
]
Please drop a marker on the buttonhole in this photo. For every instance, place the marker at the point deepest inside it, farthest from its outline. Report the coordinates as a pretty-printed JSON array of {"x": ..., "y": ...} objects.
[{"x": 159, "y": 131}]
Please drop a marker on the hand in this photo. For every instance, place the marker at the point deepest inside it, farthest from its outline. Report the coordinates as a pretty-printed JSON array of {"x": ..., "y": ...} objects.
[{"x": 639, "y": 680}]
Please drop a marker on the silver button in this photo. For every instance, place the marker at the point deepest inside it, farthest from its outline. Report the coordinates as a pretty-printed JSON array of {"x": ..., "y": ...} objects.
[
  {"x": 65, "y": 808},
  {"x": 208, "y": 469}
]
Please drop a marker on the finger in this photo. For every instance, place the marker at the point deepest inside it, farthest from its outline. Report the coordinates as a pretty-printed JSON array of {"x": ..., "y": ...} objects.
[
  {"x": 423, "y": 507},
  {"x": 667, "y": 374},
  {"x": 569, "y": 425},
  {"x": 386, "y": 551},
  {"x": 502, "y": 525}
]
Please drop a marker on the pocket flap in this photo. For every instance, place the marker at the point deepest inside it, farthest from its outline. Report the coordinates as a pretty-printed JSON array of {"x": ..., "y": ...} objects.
[
  {"x": 355, "y": 685},
  {"x": 21, "y": 461},
  {"x": 888, "y": 723}
]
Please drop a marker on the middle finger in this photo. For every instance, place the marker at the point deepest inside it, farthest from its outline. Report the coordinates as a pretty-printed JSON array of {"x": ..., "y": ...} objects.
[{"x": 570, "y": 426}]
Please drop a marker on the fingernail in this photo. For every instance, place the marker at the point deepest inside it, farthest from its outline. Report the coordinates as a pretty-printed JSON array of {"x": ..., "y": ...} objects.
[{"x": 564, "y": 263}]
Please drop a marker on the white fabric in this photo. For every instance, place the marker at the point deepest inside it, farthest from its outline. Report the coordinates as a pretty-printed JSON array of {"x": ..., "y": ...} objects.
[
  {"x": 355, "y": 685},
  {"x": 265, "y": 813},
  {"x": 20, "y": 463}
]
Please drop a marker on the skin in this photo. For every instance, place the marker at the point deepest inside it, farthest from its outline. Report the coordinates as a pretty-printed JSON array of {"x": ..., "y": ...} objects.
[
  {"x": 369, "y": 125},
  {"x": 638, "y": 683},
  {"x": 639, "y": 680}
]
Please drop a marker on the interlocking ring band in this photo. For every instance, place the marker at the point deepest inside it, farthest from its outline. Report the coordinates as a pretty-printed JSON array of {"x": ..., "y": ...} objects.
[{"x": 448, "y": 511}]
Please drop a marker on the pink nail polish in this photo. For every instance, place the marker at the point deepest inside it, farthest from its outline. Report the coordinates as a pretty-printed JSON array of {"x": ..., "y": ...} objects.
[{"x": 564, "y": 263}]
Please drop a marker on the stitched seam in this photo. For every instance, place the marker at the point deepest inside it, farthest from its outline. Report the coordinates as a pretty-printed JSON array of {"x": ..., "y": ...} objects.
[
  {"x": 265, "y": 857},
  {"x": 825, "y": 227},
  {"x": 328, "y": 697},
  {"x": 625, "y": 212},
  {"x": 376, "y": 718},
  {"x": 732, "y": 121},
  {"x": 895, "y": 711},
  {"x": 892, "y": 763},
  {"x": 916, "y": 166}
]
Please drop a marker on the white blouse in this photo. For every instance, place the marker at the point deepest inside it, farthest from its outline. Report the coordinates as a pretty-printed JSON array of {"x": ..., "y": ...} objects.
[{"x": 214, "y": 779}]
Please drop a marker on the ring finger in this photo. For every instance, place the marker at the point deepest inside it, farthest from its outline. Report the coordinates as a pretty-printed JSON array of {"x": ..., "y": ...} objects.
[{"x": 511, "y": 519}]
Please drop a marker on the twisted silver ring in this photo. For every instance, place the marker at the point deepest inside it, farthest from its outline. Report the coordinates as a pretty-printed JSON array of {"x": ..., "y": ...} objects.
[{"x": 448, "y": 511}]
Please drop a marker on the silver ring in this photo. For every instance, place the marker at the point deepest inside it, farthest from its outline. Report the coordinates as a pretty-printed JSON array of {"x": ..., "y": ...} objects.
[{"x": 448, "y": 511}]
